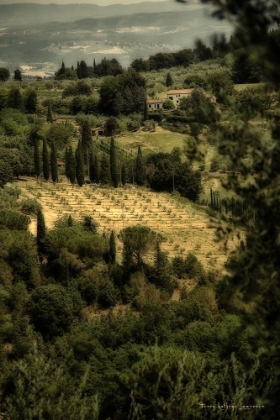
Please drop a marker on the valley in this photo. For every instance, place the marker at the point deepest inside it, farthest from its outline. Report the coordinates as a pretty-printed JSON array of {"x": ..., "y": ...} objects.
[{"x": 52, "y": 33}]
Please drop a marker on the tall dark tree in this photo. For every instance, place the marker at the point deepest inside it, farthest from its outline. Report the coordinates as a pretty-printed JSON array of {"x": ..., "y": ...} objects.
[
  {"x": 244, "y": 70},
  {"x": 93, "y": 167},
  {"x": 15, "y": 99},
  {"x": 105, "y": 175},
  {"x": 54, "y": 172},
  {"x": 145, "y": 115},
  {"x": 17, "y": 75},
  {"x": 169, "y": 80},
  {"x": 4, "y": 74},
  {"x": 161, "y": 269},
  {"x": 140, "y": 174},
  {"x": 78, "y": 70},
  {"x": 123, "y": 175},
  {"x": 49, "y": 114},
  {"x": 37, "y": 159},
  {"x": 80, "y": 170},
  {"x": 112, "y": 248},
  {"x": 84, "y": 71},
  {"x": 30, "y": 101},
  {"x": 96, "y": 172},
  {"x": 34, "y": 134},
  {"x": 63, "y": 68},
  {"x": 46, "y": 163},
  {"x": 71, "y": 166},
  {"x": 66, "y": 162},
  {"x": 6, "y": 173},
  {"x": 41, "y": 231},
  {"x": 86, "y": 140},
  {"x": 113, "y": 164}
]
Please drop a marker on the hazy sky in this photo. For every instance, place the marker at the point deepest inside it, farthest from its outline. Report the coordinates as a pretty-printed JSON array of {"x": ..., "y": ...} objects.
[{"x": 98, "y": 2}]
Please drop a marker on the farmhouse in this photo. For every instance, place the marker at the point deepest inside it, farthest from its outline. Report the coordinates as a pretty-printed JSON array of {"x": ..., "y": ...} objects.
[
  {"x": 98, "y": 131},
  {"x": 177, "y": 95},
  {"x": 154, "y": 104}
]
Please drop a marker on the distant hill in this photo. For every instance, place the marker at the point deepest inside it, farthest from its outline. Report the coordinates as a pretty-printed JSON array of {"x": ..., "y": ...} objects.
[
  {"x": 35, "y": 34},
  {"x": 30, "y": 13}
]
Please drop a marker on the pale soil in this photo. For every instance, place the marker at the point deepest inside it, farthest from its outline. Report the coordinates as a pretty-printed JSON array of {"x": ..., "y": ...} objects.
[{"x": 184, "y": 226}]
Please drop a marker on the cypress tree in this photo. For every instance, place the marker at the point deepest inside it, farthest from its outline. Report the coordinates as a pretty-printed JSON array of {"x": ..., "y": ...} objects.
[
  {"x": 96, "y": 169},
  {"x": 70, "y": 221},
  {"x": 18, "y": 101},
  {"x": 83, "y": 69},
  {"x": 112, "y": 248},
  {"x": 86, "y": 140},
  {"x": 71, "y": 166},
  {"x": 41, "y": 231},
  {"x": 91, "y": 167},
  {"x": 37, "y": 160},
  {"x": 113, "y": 163},
  {"x": 30, "y": 101},
  {"x": 105, "y": 176},
  {"x": 79, "y": 73},
  {"x": 14, "y": 99},
  {"x": 17, "y": 75},
  {"x": 146, "y": 116},
  {"x": 63, "y": 68},
  {"x": 140, "y": 168},
  {"x": 66, "y": 161},
  {"x": 80, "y": 175},
  {"x": 54, "y": 173},
  {"x": 123, "y": 175},
  {"x": 161, "y": 270},
  {"x": 46, "y": 163},
  {"x": 49, "y": 114},
  {"x": 168, "y": 81}
]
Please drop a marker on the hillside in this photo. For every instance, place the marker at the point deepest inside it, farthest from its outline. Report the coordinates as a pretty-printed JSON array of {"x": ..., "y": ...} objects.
[{"x": 184, "y": 226}]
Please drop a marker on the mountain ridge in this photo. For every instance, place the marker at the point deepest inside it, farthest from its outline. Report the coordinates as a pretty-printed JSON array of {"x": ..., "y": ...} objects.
[{"x": 14, "y": 14}]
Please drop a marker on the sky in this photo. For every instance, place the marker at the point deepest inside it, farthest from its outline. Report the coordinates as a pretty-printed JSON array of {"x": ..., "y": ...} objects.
[{"x": 98, "y": 2}]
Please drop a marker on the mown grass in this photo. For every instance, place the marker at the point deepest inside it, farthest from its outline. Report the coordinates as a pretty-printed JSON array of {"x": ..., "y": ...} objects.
[
  {"x": 244, "y": 86},
  {"x": 158, "y": 141}
]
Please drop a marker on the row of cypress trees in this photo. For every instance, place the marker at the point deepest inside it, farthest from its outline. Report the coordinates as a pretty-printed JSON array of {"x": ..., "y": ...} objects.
[
  {"x": 49, "y": 162},
  {"x": 106, "y": 171}
]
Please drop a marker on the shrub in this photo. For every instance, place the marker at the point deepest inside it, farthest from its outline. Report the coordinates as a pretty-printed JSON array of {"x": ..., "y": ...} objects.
[
  {"x": 51, "y": 310},
  {"x": 14, "y": 220},
  {"x": 30, "y": 206},
  {"x": 107, "y": 296}
]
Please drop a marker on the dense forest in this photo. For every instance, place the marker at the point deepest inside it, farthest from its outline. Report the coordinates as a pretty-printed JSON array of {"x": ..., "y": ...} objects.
[{"x": 87, "y": 335}]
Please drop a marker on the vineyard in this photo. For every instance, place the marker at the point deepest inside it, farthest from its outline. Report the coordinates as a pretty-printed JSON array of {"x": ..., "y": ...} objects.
[{"x": 183, "y": 225}]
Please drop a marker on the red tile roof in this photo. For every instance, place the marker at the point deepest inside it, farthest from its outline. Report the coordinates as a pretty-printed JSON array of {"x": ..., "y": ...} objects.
[{"x": 180, "y": 91}]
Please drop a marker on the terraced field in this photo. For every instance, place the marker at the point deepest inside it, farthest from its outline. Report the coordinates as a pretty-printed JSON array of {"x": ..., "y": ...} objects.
[{"x": 183, "y": 225}]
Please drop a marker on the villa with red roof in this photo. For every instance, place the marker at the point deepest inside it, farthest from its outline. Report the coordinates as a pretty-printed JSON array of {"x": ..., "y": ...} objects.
[{"x": 176, "y": 95}]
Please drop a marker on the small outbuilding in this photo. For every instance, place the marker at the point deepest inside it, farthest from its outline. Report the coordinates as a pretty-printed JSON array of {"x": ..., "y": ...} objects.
[{"x": 154, "y": 104}]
